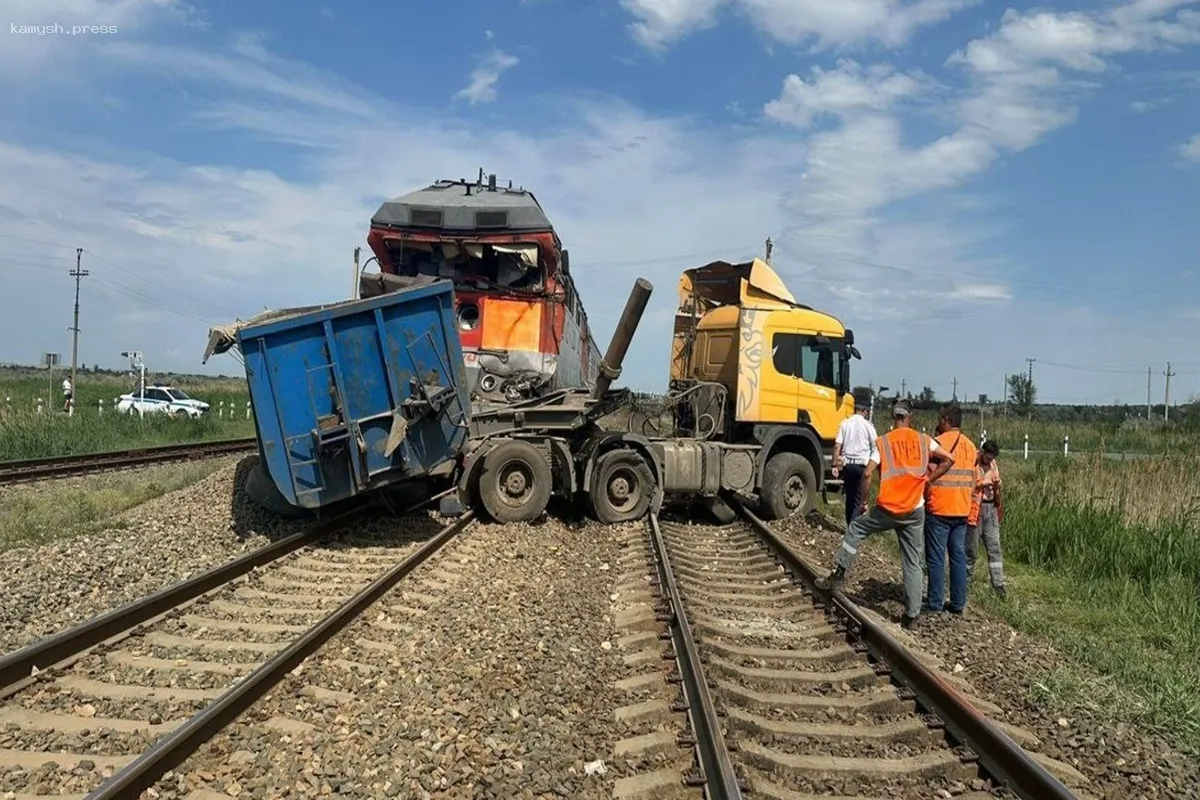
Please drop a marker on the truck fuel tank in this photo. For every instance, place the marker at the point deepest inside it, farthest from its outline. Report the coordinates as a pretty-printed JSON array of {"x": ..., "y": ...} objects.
[{"x": 689, "y": 466}]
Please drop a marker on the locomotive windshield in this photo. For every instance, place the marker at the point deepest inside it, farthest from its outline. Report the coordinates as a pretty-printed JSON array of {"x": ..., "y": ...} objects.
[{"x": 512, "y": 266}]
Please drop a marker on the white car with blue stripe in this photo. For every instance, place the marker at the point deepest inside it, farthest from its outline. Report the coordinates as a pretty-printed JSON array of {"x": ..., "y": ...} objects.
[{"x": 161, "y": 400}]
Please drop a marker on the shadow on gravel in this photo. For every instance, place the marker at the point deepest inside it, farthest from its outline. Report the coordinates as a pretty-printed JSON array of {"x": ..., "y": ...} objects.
[{"x": 883, "y": 597}]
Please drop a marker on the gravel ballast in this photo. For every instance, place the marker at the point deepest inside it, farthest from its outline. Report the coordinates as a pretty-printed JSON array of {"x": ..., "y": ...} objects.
[
  {"x": 148, "y": 547},
  {"x": 488, "y": 672},
  {"x": 1120, "y": 760}
]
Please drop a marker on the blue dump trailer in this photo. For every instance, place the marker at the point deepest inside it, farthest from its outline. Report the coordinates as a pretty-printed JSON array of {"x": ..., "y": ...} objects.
[{"x": 353, "y": 396}]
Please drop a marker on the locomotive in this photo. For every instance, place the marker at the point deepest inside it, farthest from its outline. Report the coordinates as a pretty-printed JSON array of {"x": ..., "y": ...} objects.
[{"x": 522, "y": 325}]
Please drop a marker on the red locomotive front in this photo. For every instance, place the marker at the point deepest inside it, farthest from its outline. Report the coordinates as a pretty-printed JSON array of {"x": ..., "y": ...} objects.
[{"x": 522, "y": 325}]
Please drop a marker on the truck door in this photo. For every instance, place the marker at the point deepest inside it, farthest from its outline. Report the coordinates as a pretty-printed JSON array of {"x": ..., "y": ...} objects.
[
  {"x": 780, "y": 390},
  {"x": 820, "y": 367},
  {"x": 805, "y": 383}
]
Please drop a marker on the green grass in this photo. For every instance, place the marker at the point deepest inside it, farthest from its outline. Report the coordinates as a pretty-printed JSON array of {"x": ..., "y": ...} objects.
[
  {"x": 1105, "y": 558},
  {"x": 1103, "y": 561},
  {"x": 26, "y": 434},
  {"x": 38, "y": 514},
  {"x": 1131, "y": 436}
]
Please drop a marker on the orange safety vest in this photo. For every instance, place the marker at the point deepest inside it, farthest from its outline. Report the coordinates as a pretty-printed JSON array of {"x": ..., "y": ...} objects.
[
  {"x": 903, "y": 462},
  {"x": 951, "y": 494}
]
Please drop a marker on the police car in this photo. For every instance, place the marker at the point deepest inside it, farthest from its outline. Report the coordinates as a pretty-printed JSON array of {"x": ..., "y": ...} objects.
[{"x": 158, "y": 399}]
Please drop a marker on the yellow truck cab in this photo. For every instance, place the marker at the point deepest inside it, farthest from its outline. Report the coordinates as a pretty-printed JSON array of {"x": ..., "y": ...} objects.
[{"x": 750, "y": 366}]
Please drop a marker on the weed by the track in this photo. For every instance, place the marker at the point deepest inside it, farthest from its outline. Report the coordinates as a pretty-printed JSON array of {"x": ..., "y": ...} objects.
[{"x": 40, "y": 513}]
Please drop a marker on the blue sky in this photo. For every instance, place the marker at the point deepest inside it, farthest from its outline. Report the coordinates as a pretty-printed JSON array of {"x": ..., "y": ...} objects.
[{"x": 964, "y": 184}]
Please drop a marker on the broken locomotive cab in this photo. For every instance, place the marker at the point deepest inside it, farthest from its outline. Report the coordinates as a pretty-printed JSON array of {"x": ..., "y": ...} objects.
[{"x": 521, "y": 324}]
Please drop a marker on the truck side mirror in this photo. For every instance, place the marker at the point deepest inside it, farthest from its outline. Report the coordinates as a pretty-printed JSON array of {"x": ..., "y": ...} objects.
[{"x": 566, "y": 262}]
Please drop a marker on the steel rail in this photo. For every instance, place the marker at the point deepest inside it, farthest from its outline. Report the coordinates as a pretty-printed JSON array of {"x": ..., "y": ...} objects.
[
  {"x": 18, "y": 665},
  {"x": 717, "y": 771},
  {"x": 175, "y": 747},
  {"x": 1002, "y": 758},
  {"x": 39, "y": 468}
]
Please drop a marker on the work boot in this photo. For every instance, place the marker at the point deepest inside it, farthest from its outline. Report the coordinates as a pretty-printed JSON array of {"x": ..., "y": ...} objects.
[
  {"x": 907, "y": 622},
  {"x": 1000, "y": 591},
  {"x": 834, "y": 580}
]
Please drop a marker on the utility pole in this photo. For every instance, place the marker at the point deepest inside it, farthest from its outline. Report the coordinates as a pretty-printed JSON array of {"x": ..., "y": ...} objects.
[
  {"x": 1031, "y": 360},
  {"x": 770, "y": 247},
  {"x": 1148, "y": 393},
  {"x": 1004, "y": 394},
  {"x": 903, "y": 389},
  {"x": 1167, "y": 394},
  {"x": 354, "y": 289},
  {"x": 78, "y": 274},
  {"x": 954, "y": 393}
]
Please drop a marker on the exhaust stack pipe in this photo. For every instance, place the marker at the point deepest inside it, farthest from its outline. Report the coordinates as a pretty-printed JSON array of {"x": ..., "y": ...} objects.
[{"x": 618, "y": 346}]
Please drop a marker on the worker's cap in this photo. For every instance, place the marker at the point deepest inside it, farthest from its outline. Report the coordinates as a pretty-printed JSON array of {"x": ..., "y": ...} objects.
[
  {"x": 900, "y": 409},
  {"x": 862, "y": 398}
]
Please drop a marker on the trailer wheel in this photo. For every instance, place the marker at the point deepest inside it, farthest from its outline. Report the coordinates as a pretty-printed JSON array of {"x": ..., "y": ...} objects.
[
  {"x": 621, "y": 487},
  {"x": 789, "y": 486},
  {"x": 262, "y": 492},
  {"x": 515, "y": 482}
]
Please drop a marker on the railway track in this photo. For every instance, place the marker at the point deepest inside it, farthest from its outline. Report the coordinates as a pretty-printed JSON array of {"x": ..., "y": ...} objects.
[
  {"x": 106, "y": 709},
  {"x": 778, "y": 690},
  {"x": 36, "y": 469}
]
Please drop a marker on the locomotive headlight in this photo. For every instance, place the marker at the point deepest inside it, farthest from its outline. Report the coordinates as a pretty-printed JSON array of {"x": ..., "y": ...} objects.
[{"x": 468, "y": 316}]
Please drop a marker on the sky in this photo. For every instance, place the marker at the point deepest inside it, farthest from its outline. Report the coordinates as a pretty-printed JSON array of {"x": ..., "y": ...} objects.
[{"x": 966, "y": 185}]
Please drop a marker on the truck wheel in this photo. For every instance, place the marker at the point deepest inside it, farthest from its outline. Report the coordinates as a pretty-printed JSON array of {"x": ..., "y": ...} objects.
[
  {"x": 515, "y": 482},
  {"x": 789, "y": 486},
  {"x": 262, "y": 492},
  {"x": 621, "y": 487}
]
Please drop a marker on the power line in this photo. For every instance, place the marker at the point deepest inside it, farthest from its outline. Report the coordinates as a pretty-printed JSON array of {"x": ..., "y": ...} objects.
[{"x": 175, "y": 292}]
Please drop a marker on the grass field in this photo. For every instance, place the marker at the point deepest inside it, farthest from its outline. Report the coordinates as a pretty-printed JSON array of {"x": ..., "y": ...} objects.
[
  {"x": 1103, "y": 559},
  {"x": 1010, "y": 432},
  {"x": 24, "y": 433},
  {"x": 33, "y": 515}
]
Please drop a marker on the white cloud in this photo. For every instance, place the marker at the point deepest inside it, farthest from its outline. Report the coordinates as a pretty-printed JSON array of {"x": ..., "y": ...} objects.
[
  {"x": 482, "y": 88},
  {"x": 631, "y": 193},
  {"x": 59, "y": 47},
  {"x": 859, "y": 168},
  {"x": 659, "y": 23},
  {"x": 1190, "y": 150},
  {"x": 218, "y": 241},
  {"x": 840, "y": 92}
]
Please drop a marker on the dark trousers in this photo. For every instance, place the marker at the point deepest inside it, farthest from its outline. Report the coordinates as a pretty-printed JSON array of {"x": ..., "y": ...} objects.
[{"x": 852, "y": 475}]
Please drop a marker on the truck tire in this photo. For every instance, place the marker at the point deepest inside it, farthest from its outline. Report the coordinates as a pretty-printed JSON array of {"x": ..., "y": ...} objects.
[
  {"x": 262, "y": 492},
  {"x": 621, "y": 487},
  {"x": 789, "y": 486},
  {"x": 515, "y": 482}
]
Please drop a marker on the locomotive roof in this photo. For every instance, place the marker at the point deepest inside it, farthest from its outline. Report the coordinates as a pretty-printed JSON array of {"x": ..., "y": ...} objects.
[{"x": 465, "y": 206}]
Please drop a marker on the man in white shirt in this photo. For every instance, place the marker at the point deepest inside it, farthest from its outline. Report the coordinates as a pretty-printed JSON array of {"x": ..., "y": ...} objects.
[
  {"x": 852, "y": 448},
  {"x": 67, "y": 393}
]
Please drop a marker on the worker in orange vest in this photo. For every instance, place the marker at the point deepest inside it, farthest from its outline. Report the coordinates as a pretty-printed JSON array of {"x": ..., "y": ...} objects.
[
  {"x": 947, "y": 507},
  {"x": 903, "y": 457}
]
